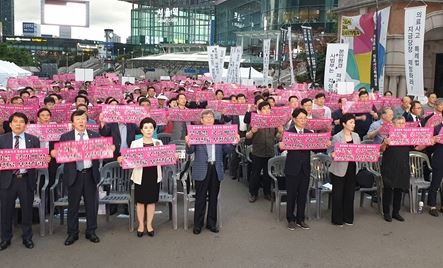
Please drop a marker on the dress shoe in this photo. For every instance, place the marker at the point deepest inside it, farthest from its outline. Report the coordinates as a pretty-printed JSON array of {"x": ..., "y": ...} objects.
[
  {"x": 28, "y": 243},
  {"x": 252, "y": 198},
  {"x": 387, "y": 217},
  {"x": 303, "y": 225},
  {"x": 268, "y": 197},
  {"x": 5, "y": 244},
  {"x": 292, "y": 225},
  {"x": 140, "y": 234},
  {"x": 197, "y": 230},
  {"x": 433, "y": 212},
  {"x": 234, "y": 178},
  {"x": 71, "y": 239},
  {"x": 398, "y": 217},
  {"x": 212, "y": 229},
  {"x": 151, "y": 233},
  {"x": 348, "y": 224},
  {"x": 92, "y": 237}
]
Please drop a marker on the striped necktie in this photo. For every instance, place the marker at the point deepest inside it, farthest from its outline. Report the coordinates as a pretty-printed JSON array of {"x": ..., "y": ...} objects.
[{"x": 16, "y": 146}]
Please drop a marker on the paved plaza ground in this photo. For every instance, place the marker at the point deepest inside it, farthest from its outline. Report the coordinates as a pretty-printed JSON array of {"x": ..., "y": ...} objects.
[{"x": 250, "y": 237}]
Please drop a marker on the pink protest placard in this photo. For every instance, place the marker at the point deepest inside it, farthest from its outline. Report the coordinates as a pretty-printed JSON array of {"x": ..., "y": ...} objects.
[
  {"x": 184, "y": 115},
  {"x": 318, "y": 124},
  {"x": 412, "y": 124},
  {"x": 94, "y": 112},
  {"x": 61, "y": 115},
  {"x": 356, "y": 152},
  {"x": 306, "y": 141},
  {"x": 378, "y": 104},
  {"x": 434, "y": 120},
  {"x": 93, "y": 127},
  {"x": 410, "y": 136},
  {"x": 7, "y": 110},
  {"x": 234, "y": 108},
  {"x": 385, "y": 129},
  {"x": 49, "y": 132},
  {"x": 123, "y": 113},
  {"x": 267, "y": 121},
  {"x": 391, "y": 102},
  {"x": 162, "y": 155},
  {"x": 96, "y": 148},
  {"x": 12, "y": 159},
  {"x": 160, "y": 117},
  {"x": 31, "y": 101},
  {"x": 214, "y": 134},
  {"x": 282, "y": 110},
  {"x": 204, "y": 95},
  {"x": 318, "y": 113},
  {"x": 216, "y": 105},
  {"x": 357, "y": 107}
]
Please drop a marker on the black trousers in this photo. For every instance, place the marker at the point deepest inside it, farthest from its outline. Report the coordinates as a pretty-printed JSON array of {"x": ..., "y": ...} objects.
[
  {"x": 259, "y": 164},
  {"x": 206, "y": 190},
  {"x": 343, "y": 192},
  {"x": 297, "y": 191},
  {"x": 437, "y": 175},
  {"x": 234, "y": 164},
  {"x": 391, "y": 196},
  {"x": 84, "y": 186},
  {"x": 18, "y": 188}
]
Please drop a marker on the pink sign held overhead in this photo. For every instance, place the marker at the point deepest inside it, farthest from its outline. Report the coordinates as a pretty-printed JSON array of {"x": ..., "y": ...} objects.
[
  {"x": 185, "y": 115},
  {"x": 267, "y": 121},
  {"x": 123, "y": 113},
  {"x": 412, "y": 124},
  {"x": 214, "y": 134},
  {"x": 356, "y": 152},
  {"x": 318, "y": 124},
  {"x": 306, "y": 141},
  {"x": 61, "y": 114},
  {"x": 72, "y": 151},
  {"x": 49, "y": 132},
  {"x": 385, "y": 129},
  {"x": 149, "y": 156},
  {"x": 357, "y": 107},
  {"x": 411, "y": 136},
  {"x": 160, "y": 117},
  {"x": 7, "y": 110},
  {"x": 318, "y": 113},
  {"x": 13, "y": 159},
  {"x": 234, "y": 108},
  {"x": 434, "y": 120}
]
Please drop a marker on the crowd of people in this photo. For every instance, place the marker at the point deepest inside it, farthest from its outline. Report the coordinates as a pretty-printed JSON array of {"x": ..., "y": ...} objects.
[{"x": 209, "y": 165}]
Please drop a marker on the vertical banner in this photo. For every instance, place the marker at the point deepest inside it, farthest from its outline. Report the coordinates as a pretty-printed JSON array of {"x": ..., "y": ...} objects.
[
  {"x": 335, "y": 65},
  {"x": 216, "y": 59},
  {"x": 291, "y": 64},
  {"x": 358, "y": 33},
  {"x": 382, "y": 36},
  {"x": 234, "y": 65},
  {"x": 414, "y": 42},
  {"x": 374, "y": 59},
  {"x": 310, "y": 53},
  {"x": 266, "y": 52}
]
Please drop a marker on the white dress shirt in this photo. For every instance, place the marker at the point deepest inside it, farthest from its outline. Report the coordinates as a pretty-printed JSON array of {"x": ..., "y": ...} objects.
[
  {"x": 86, "y": 163},
  {"x": 21, "y": 145}
]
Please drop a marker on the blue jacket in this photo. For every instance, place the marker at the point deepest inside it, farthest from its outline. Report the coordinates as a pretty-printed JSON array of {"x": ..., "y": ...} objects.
[{"x": 200, "y": 165}]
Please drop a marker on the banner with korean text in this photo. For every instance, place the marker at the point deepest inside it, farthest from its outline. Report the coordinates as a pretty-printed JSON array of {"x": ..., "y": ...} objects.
[
  {"x": 149, "y": 156},
  {"x": 335, "y": 65},
  {"x": 414, "y": 36},
  {"x": 266, "y": 52},
  {"x": 214, "y": 134},
  {"x": 13, "y": 159},
  {"x": 310, "y": 52},
  {"x": 96, "y": 148}
]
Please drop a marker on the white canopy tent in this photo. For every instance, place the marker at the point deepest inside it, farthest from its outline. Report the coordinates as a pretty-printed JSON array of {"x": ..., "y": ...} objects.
[
  {"x": 10, "y": 69},
  {"x": 248, "y": 76}
]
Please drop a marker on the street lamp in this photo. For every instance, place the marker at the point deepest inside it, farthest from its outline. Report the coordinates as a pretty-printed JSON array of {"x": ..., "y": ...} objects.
[
  {"x": 124, "y": 51},
  {"x": 132, "y": 54},
  {"x": 118, "y": 52}
]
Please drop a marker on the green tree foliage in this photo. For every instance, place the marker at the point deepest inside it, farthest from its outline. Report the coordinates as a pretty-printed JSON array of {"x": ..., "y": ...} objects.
[{"x": 19, "y": 56}]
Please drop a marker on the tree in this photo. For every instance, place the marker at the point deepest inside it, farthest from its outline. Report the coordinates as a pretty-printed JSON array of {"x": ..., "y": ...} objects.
[{"x": 19, "y": 56}]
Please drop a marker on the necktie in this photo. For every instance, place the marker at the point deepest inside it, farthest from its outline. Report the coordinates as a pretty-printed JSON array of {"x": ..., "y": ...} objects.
[
  {"x": 16, "y": 146},
  {"x": 416, "y": 119},
  {"x": 80, "y": 164}
]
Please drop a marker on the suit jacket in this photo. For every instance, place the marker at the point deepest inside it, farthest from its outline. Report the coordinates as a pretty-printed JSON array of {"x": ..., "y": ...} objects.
[
  {"x": 425, "y": 120},
  {"x": 113, "y": 130},
  {"x": 339, "y": 168},
  {"x": 200, "y": 165},
  {"x": 437, "y": 150},
  {"x": 6, "y": 175},
  {"x": 137, "y": 173},
  {"x": 70, "y": 169},
  {"x": 298, "y": 160}
]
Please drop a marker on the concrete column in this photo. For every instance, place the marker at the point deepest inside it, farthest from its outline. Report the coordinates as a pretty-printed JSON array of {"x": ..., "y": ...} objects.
[
  {"x": 393, "y": 81},
  {"x": 402, "y": 86}
]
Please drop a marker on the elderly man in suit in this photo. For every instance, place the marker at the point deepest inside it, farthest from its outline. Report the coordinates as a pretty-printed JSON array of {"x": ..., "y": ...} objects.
[
  {"x": 20, "y": 182},
  {"x": 207, "y": 172},
  {"x": 81, "y": 178}
]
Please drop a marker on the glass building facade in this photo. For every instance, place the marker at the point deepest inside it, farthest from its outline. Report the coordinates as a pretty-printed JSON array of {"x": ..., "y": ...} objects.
[
  {"x": 7, "y": 17},
  {"x": 266, "y": 15},
  {"x": 172, "y": 22}
]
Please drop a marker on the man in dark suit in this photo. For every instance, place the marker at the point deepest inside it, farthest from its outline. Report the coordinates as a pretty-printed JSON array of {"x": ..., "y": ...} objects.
[
  {"x": 437, "y": 174},
  {"x": 81, "y": 179},
  {"x": 297, "y": 171},
  {"x": 414, "y": 114},
  {"x": 21, "y": 183},
  {"x": 207, "y": 172},
  {"x": 122, "y": 135}
]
